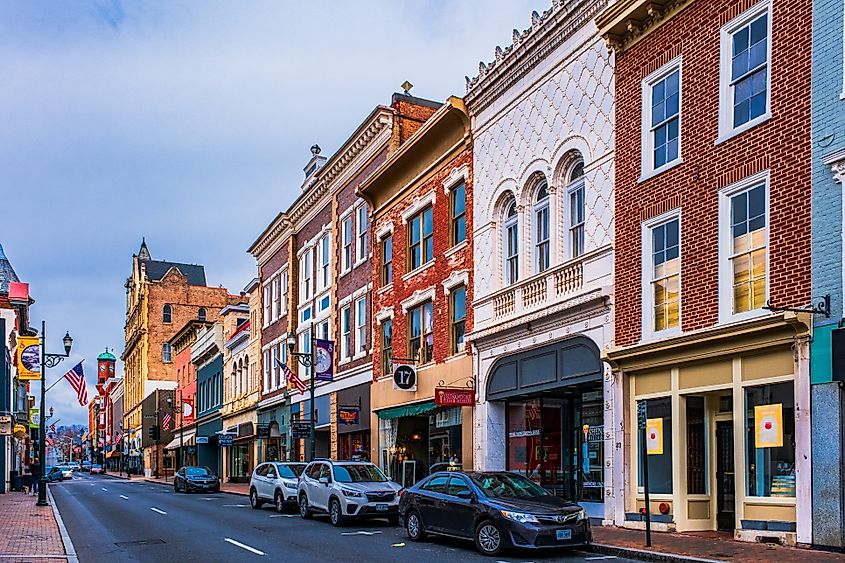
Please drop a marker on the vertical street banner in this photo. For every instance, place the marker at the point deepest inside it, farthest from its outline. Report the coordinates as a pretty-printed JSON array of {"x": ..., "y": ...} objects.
[
  {"x": 325, "y": 360},
  {"x": 34, "y": 418},
  {"x": 654, "y": 436},
  {"x": 29, "y": 358},
  {"x": 768, "y": 426},
  {"x": 188, "y": 410}
]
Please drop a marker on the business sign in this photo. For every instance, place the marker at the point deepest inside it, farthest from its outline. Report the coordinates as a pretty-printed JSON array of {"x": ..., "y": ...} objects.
[
  {"x": 325, "y": 360},
  {"x": 349, "y": 415},
  {"x": 187, "y": 411},
  {"x": 654, "y": 436},
  {"x": 225, "y": 439},
  {"x": 29, "y": 358},
  {"x": 768, "y": 426},
  {"x": 5, "y": 425},
  {"x": 300, "y": 429},
  {"x": 444, "y": 397},
  {"x": 262, "y": 431},
  {"x": 202, "y": 439},
  {"x": 404, "y": 377}
]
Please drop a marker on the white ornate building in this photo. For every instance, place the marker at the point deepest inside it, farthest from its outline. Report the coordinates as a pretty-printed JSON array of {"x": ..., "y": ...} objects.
[{"x": 542, "y": 116}]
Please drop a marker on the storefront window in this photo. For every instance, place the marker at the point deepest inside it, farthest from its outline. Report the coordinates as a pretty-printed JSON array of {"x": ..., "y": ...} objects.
[
  {"x": 770, "y": 440},
  {"x": 659, "y": 465},
  {"x": 524, "y": 438},
  {"x": 592, "y": 446},
  {"x": 696, "y": 446},
  {"x": 445, "y": 437}
]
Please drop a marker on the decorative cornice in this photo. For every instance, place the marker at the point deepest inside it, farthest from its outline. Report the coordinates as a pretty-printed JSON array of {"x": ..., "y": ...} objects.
[
  {"x": 455, "y": 177},
  {"x": 627, "y": 21},
  {"x": 836, "y": 161}
]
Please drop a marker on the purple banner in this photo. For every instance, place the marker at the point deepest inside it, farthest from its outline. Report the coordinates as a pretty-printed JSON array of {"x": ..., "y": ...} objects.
[{"x": 325, "y": 360}]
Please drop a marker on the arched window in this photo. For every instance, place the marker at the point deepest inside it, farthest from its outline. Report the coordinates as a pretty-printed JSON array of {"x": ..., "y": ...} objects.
[
  {"x": 575, "y": 197},
  {"x": 201, "y": 314},
  {"x": 541, "y": 228},
  {"x": 167, "y": 313},
  {"x": 165, "y": 353},
  {"x": 511, "y": 244}
]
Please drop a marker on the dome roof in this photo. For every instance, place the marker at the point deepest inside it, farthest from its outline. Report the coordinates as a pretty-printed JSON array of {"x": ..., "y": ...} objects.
[{"x": 107, "y": 356}]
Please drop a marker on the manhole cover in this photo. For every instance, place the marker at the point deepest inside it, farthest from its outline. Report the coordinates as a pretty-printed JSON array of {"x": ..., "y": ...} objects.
[{"x": 138, "y": 543}]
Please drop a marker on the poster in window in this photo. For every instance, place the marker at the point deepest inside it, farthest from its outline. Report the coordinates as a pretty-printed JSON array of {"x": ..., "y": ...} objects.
[
  {"x": 654, "y": 436},
  {"x": 768, "y": 426}
]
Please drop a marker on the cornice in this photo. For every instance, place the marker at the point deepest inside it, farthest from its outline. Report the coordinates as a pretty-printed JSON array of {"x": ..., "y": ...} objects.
[
  {"x": 627, "y": 21},
  {"x": 271, "y": 234}
]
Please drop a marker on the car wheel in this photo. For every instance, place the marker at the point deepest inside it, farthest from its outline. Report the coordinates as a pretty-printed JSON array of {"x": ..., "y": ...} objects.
[
  {"x": 253, "y": 499},
  {"x": 280, "y": 502},
  {"x": 304, "y": 511},
  {"x": 414, "y": 526},
  {"x": 488, "y": 538},
  {"x": 335, "y": 513}
]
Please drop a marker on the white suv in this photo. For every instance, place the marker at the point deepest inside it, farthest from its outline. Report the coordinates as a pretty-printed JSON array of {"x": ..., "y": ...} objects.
[
  {"x": 276, "y": 482},
  {"x": 347, "y": 489}
]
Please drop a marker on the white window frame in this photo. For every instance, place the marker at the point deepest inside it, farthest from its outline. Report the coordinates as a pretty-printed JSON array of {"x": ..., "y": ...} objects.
[
  {"x": 726, "y": 92},
  {"x": 277, "y": 304},
  {"x": 346, "y": 333},
  {"x": 324, "y": 329},
  {"x": 360, "y": 326},
  {"x": 726, "y": 313},
  {"x": 510, "y": 223},
  {"x": 284, "y": 287},
  {"x": 647, "y": 268},
  {"x": 577, "y": 184},
  {"x": 324, "y": 259},
  {"x": 347, "y": 250},
  {"x": 304, "y": 342},
  {"x": 306, "y": 273},
  {"x": 274, "y": 368},
  {"x": 268, "y": 304},
  {"x": 647, "y": 169},
  {"x": 266, "y": 386},
  {"x": 539, "y": 208},
  {"x": 362, "y": 234}
]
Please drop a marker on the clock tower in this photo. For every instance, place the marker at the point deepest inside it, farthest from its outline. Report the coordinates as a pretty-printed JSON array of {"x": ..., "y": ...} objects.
[{"x": 105, "y": 369}]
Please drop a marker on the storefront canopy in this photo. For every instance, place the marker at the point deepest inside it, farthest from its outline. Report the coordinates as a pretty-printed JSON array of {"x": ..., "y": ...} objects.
[
  {"x": 187, "y": 440},
  {"x": 112, "y": 454},
  {"x": 407, "y": 410}
]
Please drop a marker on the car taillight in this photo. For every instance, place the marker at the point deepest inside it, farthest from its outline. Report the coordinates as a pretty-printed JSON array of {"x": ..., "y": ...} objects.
[{"x": 401, "y": 492}]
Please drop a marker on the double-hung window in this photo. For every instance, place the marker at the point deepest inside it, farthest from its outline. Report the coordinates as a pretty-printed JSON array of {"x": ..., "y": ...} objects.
[
  {"x": 387, "y": 260},
  {"x": 346, "y": 234},
  {"x": 661, "y": 119},
  {"x": 577, "y": 211},
  {"x": 325, "y": 262},
  {"x": 420, "y": 239},
  {"x": 361, "y": 213},
  {"x": 748, "y": 247},
  {"x": 361, "y": 325},
  {"x": 541, "y": 229},
  {"x": 663, "y": 273},
  {"x": 284, "y": 284},
  {"x": 420, "y": 333},
  {"x": 386, "y": 347},
  {"x": 458, "y": 310},
  {"x": 305, "y": 273},
  {"x": 276, "y": 370},
  {"x": 459, "y": 214},
  {"x": 345, "y": 332},
  {"x": 511, "y": 244},
  {"x": 277, "y": 298},
  {"x": 266, "y": 382},
  {"x": 305, "y": 346},
  {"x": 268, "y": 304}
]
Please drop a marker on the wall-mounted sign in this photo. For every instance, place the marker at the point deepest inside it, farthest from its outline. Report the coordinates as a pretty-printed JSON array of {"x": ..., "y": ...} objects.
[
  {"x": 654, "y": 436},
  {"x": 404, "y": 377},
  {"x": 5, "y": 425},
  {"x": 768, "y": 426},
  {"x": 444, "y": 397},
  {"x": 325, "y": 360},
  {"x": 202, "y": 439},
  {"x": 225, "y": 439},
  {"x": 29, "y": 358},
  {"x": 262, "y": 431},
  {"x": 349, "y": 415},
  {"x": 300, "y": 429}
]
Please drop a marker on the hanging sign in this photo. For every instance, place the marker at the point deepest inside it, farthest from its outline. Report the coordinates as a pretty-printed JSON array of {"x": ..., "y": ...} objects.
[
  {"x": 29, "y": 358},
  {"x": 300, "y": 429},
  {"x": 262, "y": 431},
  {"x": 404, "y": 377},
  {"x": 768, "y": 426},
  {"x": 225, "y": 439},
  {"x": 187, "y": 411},
  {"x": 325, "y": 360},
  {"x": 5, "y": 425},
  {"x": 34, "y": 419},
  {"x": 444, "y": 397},
  {"x": 349, "y": 416},
  {"x": 654, "y": 436}
]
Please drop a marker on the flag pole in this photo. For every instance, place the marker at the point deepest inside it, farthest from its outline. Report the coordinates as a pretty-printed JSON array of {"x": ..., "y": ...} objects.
[{"x": 57, "y": 381}]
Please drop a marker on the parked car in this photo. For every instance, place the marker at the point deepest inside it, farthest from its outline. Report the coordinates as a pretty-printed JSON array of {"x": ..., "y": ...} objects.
[
  {"x": 191, "y": 478},
  {"x": 97, "y": 469},
  {"x": 52, "y": 473},
  {"x": 497, "y": 510},
  {"x": 86, "y": 466},
  {"x": 275, "y": 482},
  {"x": 347, "y": 489},
  {"x": 67, "y": 471},
  {"x": 75, "y": 465}
]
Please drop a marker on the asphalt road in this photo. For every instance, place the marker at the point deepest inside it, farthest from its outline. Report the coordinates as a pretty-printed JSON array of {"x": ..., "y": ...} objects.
[{"x": 118, "y": 520}]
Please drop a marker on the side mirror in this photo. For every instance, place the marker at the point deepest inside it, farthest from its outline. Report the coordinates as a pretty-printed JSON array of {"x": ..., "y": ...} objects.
[
  {"x": 466, "y": 495},
  {"x": 324, "y": 480}
]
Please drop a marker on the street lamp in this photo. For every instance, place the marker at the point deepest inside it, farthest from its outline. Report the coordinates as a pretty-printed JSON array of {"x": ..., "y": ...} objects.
[
  {"x": 308, "y": 360},
  {"x": 181, "y": 424},
  {"x": 47, "y": 361}
]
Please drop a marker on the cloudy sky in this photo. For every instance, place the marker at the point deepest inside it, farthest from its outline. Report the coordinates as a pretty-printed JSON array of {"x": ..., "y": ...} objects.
[{"x": 189, "y": 123}]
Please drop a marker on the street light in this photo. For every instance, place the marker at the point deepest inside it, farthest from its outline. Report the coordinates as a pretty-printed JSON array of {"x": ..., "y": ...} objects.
[
  {"x": 181, "y": 424},
  {"x": 307, "y": 359},
  {"x": 47, "y": 361}
]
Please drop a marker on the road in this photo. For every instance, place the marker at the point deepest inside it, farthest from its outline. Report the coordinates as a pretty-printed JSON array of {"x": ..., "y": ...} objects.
[{"x": 118, "y": 520}]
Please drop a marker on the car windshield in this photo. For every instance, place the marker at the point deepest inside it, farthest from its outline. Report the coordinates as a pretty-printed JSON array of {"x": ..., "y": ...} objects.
[
  {"x": 197, "y": 471},
  {"x": 290, "y": 471},
  {"x": 503, "y": 485},
  {"x": 358, "y": 474}
]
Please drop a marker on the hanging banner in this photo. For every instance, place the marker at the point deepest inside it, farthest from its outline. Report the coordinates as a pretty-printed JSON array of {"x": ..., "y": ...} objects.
[
  {"x": 187, "y": 411},
  {"x": 34, "y": 419},
  {"x": 348, "y": 415},
  {"x": 654, "y": 436},
  {"x": 325, "y": 360},
  {"x": 404, "y": 377},
  {"x": 29, "y": 358},
  {"x": 768, "y": 426}
]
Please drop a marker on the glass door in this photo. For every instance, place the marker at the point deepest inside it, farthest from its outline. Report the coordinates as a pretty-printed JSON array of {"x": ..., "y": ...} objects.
[
  {"x": 523, "y": 438},
  {"x": 551, "y": 453}
]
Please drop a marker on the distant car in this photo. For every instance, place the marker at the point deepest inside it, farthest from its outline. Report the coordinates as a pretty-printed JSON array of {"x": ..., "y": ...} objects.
[
  {"x": 276, "y": 482},
  {"x": 53, "y": 474},
  {"x": 67, "y": 471},
  {"x": 97, "y": 469},
  {"x": 191, "y": 478},
  {"x": 86, "y": 466},
  {"x": 76, "y": 466},
  {"x": 497, "y": 510},
  {"x": 445, "y": 466},
  {"x": 347, "y": 489}
]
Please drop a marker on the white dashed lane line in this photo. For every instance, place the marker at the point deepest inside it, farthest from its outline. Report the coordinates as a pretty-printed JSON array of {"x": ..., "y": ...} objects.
[
  {"x": 124, "y": 497},
  {"x": 244, "y": 546},
  {"x": 105, "y": 489},
  {"x": 154, "y": 509}
]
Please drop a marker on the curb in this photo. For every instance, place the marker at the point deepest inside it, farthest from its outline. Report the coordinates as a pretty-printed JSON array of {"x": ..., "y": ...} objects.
[
  {"x": 648, "y": 555},
  {"x": 70, "y": 551}
]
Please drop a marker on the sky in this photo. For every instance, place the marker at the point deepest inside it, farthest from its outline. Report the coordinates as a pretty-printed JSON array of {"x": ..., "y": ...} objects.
[{"x": 189, "y": 123}]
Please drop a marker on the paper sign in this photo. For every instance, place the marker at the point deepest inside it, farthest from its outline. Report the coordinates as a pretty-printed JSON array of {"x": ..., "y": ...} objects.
[
  {"x": 768, "y": 426},
  {"x": 654, "y": 436}
]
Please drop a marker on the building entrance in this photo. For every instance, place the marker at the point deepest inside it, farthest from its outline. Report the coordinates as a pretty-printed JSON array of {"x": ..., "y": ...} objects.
[{"x": 725, "y": 479}]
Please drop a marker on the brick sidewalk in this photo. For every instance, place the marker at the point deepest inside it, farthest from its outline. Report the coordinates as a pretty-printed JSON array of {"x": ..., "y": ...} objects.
[
  {"x": 707, "y": 545},
  {"x": 29, "y": 531}
]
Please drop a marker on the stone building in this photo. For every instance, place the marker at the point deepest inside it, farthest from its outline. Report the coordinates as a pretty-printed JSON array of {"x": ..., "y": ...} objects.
[{"x": 542, "y": 114}]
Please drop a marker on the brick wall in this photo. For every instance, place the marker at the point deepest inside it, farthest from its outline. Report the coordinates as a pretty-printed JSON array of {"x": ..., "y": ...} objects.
[{"x": 781, "y": 144}]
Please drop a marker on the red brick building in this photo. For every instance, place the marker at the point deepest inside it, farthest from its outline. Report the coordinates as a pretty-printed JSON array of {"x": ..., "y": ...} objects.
[{"x": 712, "y": 213}]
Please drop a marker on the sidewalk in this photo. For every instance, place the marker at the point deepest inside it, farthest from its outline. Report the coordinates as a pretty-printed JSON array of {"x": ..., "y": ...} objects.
[
  {"x": 233, "y": 488},
  {"x": 699, "y": 546},
  {"x": 29, "y": 531}
]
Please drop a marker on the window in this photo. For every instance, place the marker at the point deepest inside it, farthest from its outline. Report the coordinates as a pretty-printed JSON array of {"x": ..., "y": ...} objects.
[
  {"x": 420, "y": 333},
  {"x": 744, "y": 71},
  {"x": 361, "y": 214},
  {"x": 284, "y": 292},
  {"x": 659, "y": 465},
  {"x": 165, "y": 353},
  {"x": 347, "y": 243},
  {"x": 420, "y": 239},
  {"x": 511, "y": 244},
  {"x": 661, "y": 118},
  {"x": 276, "y": 369},
  {"x": 387, "y": 260},
  {"x": 458, "y": 309},
  {"x": 345, "y": 333},
  {"x": 268, "y": 305},
  {"x": 361, "y": 325},
  {"x": 541, "y": 229},
  {"x": 167, "y": 313},
  {"x": 202, "y": 314},
  {"x": 323, "y": 303},
  {"x": 459, "y": 214},
  {"x": 664, "y": 275},
  {"x": 386, "y": 347},
  {"x": 770, "y": 440},
  {"x": 324, "y": 278},
  {"x": 305, "y": 346},
  {"x": 277, "y": 299},
  {"x": 305, "y": 270},
  {"x": 575, "y": 191},
  {"x": 436, "y": 485},
  {"x": 747, "y": 248},
  {"x": 323, "y": 330},
  {"x": 456, "y": 486}
]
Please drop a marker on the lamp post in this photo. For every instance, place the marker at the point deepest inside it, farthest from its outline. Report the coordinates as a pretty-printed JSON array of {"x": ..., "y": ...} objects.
[
  {"x": 308, "y": 360},
  {"x": 181, "y": 429},
  {"x": 47, "y": 361}
]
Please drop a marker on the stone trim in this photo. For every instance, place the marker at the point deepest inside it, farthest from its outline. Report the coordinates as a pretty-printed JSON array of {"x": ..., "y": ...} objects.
[
  {"x": 385, "y": 313},
  {"x": 456, "y": 279},
  {"x": 418, "y": 297},
  {"x": 456, "y": 176},
  {"x": 419, "y": 203}
]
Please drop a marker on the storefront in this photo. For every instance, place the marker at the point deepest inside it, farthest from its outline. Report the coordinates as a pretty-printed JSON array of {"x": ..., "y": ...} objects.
[
  {"x": 239, "y": 457},
  {"x": 352, "y": 421},
  {"x": 301, "y": 412},
  {"x": 272, "y": 433},
  {"x": 208, "y": 449}
]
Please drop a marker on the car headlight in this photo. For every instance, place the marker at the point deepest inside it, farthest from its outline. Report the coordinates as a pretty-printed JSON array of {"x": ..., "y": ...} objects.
[
  {"x": 351, "y": 493},
  {"x": 289, "y": 484},
  {"x": 520, "y": 517},
  {"x": 582, "y": 515}
]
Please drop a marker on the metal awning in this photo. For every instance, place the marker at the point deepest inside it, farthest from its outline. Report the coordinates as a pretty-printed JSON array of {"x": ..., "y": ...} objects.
[{"x": 187, "y": 440}]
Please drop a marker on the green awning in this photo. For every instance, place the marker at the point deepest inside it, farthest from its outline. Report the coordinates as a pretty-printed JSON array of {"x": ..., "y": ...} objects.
[{"x": 407, "y": 410}]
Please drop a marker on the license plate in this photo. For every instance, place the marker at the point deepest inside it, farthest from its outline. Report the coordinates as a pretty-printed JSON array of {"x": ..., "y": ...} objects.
[
  {"x": 381, "y": 507},
  {"x": 563, "y": 534}
]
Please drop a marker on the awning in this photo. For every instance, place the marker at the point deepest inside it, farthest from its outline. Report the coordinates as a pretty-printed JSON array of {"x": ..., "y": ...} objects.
[
  {"x": 187, "y": 440},
  {"x": 112, "y": 454},
  {"x": 407, "y": 410}
]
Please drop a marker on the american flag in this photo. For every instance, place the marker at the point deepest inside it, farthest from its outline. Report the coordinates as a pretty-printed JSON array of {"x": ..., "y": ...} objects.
[
  {"x": 53, "y": 427},
  {"x": 118, "y": 437},
  {"x": 298, "y": 383},
  {"x": 77, "y": 380},
  {"x": 165, "y": 422}
]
